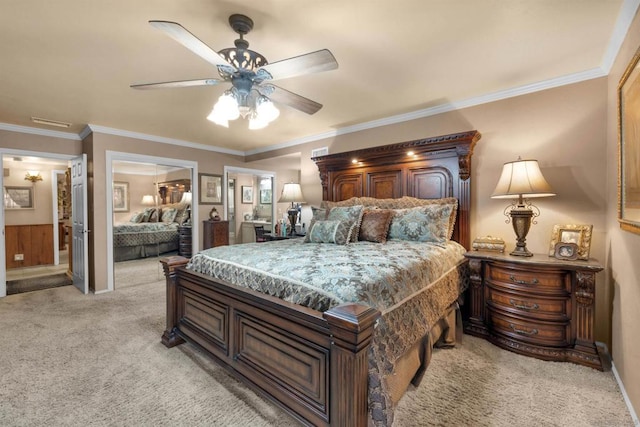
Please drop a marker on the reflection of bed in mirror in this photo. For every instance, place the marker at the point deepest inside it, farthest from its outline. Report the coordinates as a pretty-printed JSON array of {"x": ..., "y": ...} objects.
[
  {"x": 285, "y": 322},
  {"x": 151, "y": 232}
]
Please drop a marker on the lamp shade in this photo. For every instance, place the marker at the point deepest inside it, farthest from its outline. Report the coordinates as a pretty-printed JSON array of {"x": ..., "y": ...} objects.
[
  {"x": 186, "y": 198},
  {"x": 291, "y": 193},
  {"x": 522, "y": 178},
  {"x": 148, "y": 200}
]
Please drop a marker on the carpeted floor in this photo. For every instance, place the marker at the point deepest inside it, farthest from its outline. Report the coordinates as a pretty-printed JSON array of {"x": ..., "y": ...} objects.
[
  {"x": 69, "y": 359},
  {"x": 37, "y": 283}
]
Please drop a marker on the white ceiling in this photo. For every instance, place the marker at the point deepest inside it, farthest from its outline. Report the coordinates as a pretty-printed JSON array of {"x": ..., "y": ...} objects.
[{"x": 73, "y": 61}]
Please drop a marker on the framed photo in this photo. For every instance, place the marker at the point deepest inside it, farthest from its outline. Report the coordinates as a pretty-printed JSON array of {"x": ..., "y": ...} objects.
[
  {"x": 247, "y": 194},
  {"x": 120, "y": 196},
  {"x": 629, "y": 147},
  {"x": 18, "y": 198},
  {"x": 580, "y": 235},
  {"x": 210, "y": 189},
  {"x": 265, "y": 197},
  {"x": 566, "y": 251}
]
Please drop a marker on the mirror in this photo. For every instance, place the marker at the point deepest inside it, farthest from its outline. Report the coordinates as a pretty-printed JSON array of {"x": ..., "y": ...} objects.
[{"x": 629, "y": 147}]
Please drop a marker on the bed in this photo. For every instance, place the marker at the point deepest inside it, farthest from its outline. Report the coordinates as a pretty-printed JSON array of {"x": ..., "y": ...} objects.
[
  {"x": 147, "y": 235},
  {"x": 335, "y": 358}
]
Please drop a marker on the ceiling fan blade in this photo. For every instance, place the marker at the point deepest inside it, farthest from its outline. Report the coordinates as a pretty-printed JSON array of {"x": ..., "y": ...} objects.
[
  {"x": 191, "y": 42},
  {"x": 294, "y": 100},
  {"x": 179, "y": 83},
  {"x": 314, "y": 62}
]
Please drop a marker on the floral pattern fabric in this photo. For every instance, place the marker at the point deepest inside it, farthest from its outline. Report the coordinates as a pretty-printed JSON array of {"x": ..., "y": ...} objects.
[
  {"x": 422, "y": 224},
  {"x": 330, "y": 232},
  {"x": 413, "y": 284},
  {"x": 144, "y": 233},
  {"x": 321, "y": 276}
]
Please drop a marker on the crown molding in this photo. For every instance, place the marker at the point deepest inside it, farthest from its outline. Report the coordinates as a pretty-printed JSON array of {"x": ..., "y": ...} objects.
[
  {"x": 443, "y": 108},
  {"x": 39, "y": 131},
  {"x": 91, "y": 128},
  {"x": 625, "y": 18}
]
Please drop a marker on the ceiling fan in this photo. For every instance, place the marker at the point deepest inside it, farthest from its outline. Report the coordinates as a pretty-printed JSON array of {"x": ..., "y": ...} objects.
[{"x": 249, "y": 74}]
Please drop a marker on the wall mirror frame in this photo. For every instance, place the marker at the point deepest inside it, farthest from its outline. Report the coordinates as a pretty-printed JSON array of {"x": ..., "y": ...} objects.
[{"x": 629, "y": 147}]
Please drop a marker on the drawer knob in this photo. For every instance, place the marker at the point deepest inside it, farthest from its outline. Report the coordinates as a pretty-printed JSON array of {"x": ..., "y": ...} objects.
[
  {"x": 523, "y": 305},
  {"x": 522, "y": 331},
  {"x": 523, "y": 282}
]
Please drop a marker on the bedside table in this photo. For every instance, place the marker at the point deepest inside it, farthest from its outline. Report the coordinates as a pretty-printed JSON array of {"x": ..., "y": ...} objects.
[
  {"x": 537, "y": 306},
  {"x": 184, "y": 241}
]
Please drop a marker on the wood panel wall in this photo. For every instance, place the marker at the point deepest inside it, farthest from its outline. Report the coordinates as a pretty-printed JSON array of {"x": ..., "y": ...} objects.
[{"x": 34, "y": 242}]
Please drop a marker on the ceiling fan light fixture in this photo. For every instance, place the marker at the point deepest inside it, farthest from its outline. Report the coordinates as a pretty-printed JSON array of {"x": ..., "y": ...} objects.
[
  {"x": 256, "y": 122},
  {"x": 216, "y": 117},
  {"x": 266, "y": 110}
]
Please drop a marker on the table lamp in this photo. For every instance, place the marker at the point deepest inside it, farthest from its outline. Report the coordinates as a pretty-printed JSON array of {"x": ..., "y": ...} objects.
[
  {"x": 521, "y": 180},
  {"x": 292, "y": 193}
]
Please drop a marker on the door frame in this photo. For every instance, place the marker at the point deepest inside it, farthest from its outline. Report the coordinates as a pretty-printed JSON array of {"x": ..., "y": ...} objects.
[
  {"x": 254, "y": 172},
  {"x": 18, "y": 153},
  {"x": 112, "y": 156}
]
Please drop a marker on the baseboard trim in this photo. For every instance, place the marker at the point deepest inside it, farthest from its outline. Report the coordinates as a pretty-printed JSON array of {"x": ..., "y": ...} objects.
[{"x": 634, "y": 416}]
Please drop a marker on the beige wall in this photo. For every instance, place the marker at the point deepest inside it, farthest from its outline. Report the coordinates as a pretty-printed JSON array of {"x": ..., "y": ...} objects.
[{"x": 622, "y": 247}]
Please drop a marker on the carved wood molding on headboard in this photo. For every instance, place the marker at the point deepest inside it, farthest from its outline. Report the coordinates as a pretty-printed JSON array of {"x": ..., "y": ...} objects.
[{"x": 433, "y": 167}]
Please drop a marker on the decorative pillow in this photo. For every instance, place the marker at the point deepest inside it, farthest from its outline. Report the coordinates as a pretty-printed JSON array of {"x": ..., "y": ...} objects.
[
  {"x": 155, "y": 215},
  {"x": 317, "y": 214},
  {"x": 137, "y": 217},
  {"x": 375, "y": 225},
  {"x": 168, "y": 215},
  {"x": 182, "y": 214},
  {"x": 326, "y": 231},
  {"x": 410, "y": 202},
  {"x": 423, "y": 224},
  {"x": 351, "y": 215},
  {"x": 327, "y": 204},
  {"x": 146, "y": 217}
]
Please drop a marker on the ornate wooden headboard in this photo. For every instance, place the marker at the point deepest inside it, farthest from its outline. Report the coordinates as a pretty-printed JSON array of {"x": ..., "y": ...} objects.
[{"x": 429, "y": 168}]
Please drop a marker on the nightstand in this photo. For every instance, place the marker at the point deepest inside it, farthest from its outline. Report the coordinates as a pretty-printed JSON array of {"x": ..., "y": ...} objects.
[
  {"x": 215, "y": 233},
  {"x": 185, "y": 246},
  {"x": 537, "y": 306}
]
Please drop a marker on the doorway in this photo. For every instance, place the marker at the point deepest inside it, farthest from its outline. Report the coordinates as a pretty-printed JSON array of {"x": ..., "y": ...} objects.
[{"x": 35, "y": 247}]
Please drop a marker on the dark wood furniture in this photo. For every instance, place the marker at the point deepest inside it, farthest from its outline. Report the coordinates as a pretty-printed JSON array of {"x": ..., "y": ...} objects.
[
  {"x": 215, "y": 233},
  {"x": 314, "y": 364},
  {"x": 28, "y": 245},
  {"x": 537, "y": 306},
  {"x": 185, "y": 241}
]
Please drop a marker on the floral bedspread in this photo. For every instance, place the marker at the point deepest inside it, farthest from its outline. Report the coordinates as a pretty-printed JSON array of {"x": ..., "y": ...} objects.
[
  {"x": 411, "y": 283},
  {"x": 321, "y": 276},
  {"x": 144, "y": 233}
]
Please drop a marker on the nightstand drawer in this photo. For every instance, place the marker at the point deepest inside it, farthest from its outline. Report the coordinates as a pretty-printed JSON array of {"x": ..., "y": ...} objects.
[
  {"x": 554, "y": 309},
  {"x": 540, "y": 333},
  {"x": 539, "y": 281}
]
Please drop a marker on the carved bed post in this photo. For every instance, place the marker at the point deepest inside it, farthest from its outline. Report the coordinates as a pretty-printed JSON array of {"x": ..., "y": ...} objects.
[
  {"x": 170, "y": 338},
  {"x": 351, "y": 327}
]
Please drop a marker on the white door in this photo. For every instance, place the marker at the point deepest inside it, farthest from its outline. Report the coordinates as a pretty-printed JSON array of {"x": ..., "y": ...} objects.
[
  {"x": 79, "y": 216},
  {"x": 3, "y": 266}
]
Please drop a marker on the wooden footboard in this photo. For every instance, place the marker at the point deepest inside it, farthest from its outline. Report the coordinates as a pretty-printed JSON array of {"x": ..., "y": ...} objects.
[{"x": 312, "y": 364}]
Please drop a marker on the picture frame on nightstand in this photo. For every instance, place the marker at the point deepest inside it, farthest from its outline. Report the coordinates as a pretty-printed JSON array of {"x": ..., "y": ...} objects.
[
  {"x": 580, "y": 235},
  {"x": 566, "y": 251}
]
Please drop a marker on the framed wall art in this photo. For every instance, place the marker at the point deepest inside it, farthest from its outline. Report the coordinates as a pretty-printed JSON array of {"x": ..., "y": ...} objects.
[
  {"x": 18, "y": 198},
  {"x": 247, "y": 194},
  {"x": 210, "y": 189},
  {"x": 120, "y": 196},
  {"x": 629, "y": 147},
  {"x": 580, "y": 235},
  {"x": 265, "y": 197}
]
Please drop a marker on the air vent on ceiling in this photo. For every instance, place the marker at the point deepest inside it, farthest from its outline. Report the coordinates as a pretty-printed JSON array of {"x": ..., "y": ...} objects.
[
  {"x": 319, "y": 152},
  {"x": 48, "y": 122}
]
